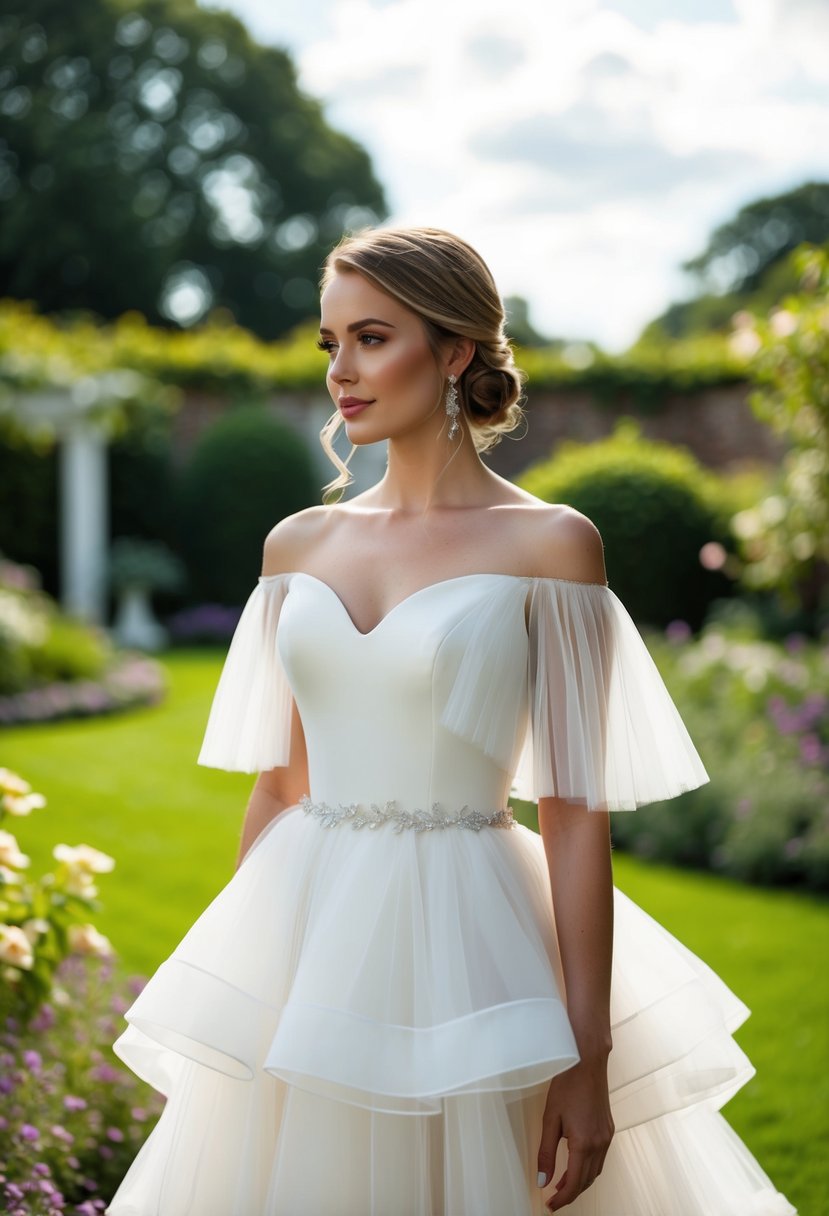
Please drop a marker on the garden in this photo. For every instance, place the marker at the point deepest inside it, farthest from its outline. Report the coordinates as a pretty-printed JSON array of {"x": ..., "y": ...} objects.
[{"x": 112, "y": 841}]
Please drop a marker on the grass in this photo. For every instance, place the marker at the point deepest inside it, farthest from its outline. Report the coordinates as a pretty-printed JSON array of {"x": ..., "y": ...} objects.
[{"x": 129, "y": 784}]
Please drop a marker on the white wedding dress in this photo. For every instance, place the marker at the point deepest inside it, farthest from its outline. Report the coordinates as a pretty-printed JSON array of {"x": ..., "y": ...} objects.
[{"x": 365, "y": 1020}]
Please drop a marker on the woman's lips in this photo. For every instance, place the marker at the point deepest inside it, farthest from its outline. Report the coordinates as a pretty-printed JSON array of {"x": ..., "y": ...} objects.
[{"x": 351, "y": 406}]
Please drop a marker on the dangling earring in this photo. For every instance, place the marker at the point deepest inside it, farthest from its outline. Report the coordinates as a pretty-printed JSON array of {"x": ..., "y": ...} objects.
[{"x": 452, "y": 406}]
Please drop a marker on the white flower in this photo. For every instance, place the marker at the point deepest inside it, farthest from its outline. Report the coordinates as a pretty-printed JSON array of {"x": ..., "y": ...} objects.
[
  {"x": 85, "y": 939},
  {"x": 84, "y": 858},
  {"x": 34, "y": 928},
  {"x": 10, "y": 854},
  {"x": 22, "y": 804},
  {"x": 79, "y": 883},
  {"x": 15, "y": 948},
  {"x": 783, "y": 323},
  {"x": 12, "y": 783}
]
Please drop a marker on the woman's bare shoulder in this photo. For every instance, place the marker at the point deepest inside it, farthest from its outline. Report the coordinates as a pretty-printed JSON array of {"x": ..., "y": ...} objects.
[
  {"x": 564, "y": 544},
  {"x": 289, "y": 542}
]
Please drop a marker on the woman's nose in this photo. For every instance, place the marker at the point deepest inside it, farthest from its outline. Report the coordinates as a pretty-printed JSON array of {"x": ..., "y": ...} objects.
[{"x": 340, "y": 369}]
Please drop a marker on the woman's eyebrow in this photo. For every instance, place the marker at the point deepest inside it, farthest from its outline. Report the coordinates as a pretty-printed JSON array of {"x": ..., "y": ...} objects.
[{"x": 359, "y": 325}]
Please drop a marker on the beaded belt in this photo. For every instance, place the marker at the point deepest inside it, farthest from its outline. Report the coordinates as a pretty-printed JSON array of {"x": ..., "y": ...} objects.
[{"x": 373, "y": 816}]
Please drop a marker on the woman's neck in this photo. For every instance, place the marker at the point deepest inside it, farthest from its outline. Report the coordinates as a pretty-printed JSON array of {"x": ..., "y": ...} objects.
[{"x": 427, "y": 474}]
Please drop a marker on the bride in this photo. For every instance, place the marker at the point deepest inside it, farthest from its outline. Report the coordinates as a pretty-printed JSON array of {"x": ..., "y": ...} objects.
[{"x": 404, "y": 1003}]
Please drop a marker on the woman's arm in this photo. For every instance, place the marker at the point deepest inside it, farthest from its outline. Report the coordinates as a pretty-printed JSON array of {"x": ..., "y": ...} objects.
[
  {"x": 278, "y": 788},
  {"x": 275, "y": 790},
  {"x": 578, "y": 851},
  {"x": 577, "y": 845}
]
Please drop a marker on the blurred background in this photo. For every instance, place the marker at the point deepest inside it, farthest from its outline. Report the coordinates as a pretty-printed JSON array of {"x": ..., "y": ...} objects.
[{"x": 649, "y": 183}]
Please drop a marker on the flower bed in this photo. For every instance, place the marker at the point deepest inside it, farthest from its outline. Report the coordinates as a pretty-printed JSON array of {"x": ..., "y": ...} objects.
[
  {"x": 758, "y": 712},
  {"x": 131, "y": 680},
  {"x": 73, "y": 1117}
]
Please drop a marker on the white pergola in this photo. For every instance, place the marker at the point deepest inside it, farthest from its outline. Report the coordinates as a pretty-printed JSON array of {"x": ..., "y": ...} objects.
[{"x": 83, "y": 506}]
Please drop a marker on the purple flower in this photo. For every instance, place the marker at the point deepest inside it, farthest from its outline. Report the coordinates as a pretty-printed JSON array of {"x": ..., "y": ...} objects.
[
  {"x": 33, "y": 1061},
  {"x": 743, "y": 808},
  {"x": 60, "y": 1133},
  {"x": 115, "y": 1133},
  {"x": 27, "y": 1132},
  {"x": 106, "y": 1073},
  {"x": 138, "y": 1114},
  {"x": 810, "y": 749},
  {"x": 6, "y": 1085},
  {"x": 44, "y": 1019},
  {"x": 678, "y": 631},
  {"x": 42, "y": 1169},
  {"x": 73, "y": 1103}
]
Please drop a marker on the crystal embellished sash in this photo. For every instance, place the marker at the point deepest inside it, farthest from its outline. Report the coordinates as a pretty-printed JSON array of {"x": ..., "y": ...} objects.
[{"x": 360, "y": 815}]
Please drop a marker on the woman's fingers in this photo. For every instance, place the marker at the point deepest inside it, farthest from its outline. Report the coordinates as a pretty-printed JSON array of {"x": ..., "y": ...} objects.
[
  {"x": 575, "y": 1179},
  {"x": 548, "y": 1149}
]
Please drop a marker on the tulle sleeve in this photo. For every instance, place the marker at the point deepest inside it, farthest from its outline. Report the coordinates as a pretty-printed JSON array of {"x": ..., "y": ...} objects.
[
  {"x": 603, "y": 730},
  {"x": 249, "y": 726}
]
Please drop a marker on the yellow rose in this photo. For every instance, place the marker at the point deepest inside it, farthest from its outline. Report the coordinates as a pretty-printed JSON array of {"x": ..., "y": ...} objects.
[{"x": 15, "y": 947}]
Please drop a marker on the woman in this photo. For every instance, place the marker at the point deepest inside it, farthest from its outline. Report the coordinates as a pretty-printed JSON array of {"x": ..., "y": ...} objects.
[{"x": 404, "y": 1003}]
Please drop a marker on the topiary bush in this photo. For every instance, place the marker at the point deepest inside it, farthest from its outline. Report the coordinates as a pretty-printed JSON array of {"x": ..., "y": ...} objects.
[
  {"x": 248, "y": 471},
  {"x": 656, "y": 508}
]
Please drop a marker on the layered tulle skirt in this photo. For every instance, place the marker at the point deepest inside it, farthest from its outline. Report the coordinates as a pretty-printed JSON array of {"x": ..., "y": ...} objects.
[{"x": 364, "y": 1023}]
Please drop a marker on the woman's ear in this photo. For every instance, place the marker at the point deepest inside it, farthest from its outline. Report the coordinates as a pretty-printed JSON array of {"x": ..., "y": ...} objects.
[{"x": 460, "y": 353}]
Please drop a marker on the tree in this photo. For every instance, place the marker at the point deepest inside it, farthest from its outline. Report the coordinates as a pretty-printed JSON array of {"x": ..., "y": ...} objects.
[
  {"x": 519, "y": 327},
  {"x": 740, "y": 251},
  {"x": 156, "y": 158}
]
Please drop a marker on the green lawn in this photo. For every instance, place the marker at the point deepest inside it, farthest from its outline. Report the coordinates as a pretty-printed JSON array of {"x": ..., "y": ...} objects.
[{"x": 130, "y": 785}]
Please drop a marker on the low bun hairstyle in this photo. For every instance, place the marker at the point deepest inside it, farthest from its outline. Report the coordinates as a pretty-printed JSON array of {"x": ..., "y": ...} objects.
[{"x": 447, "y": 283}]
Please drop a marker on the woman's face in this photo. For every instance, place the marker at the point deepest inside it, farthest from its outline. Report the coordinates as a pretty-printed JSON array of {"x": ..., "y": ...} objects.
[{"x": 382, "y": 374}]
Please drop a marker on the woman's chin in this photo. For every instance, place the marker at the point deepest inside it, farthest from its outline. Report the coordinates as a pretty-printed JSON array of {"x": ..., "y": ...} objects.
[{"x": 361, "y": 433}]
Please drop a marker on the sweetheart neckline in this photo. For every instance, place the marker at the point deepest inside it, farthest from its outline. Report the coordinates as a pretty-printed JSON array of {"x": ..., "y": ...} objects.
[{"x": 442, "y": 582}]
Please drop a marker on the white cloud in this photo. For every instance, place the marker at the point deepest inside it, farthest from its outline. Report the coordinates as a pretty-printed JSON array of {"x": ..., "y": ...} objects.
[{"x": 586, "y": 146}]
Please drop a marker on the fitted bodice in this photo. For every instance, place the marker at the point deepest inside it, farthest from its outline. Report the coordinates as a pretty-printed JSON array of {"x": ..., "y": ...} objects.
[
  {"x": 371, "y": 703},
  {"x": 468, "y": 687}
]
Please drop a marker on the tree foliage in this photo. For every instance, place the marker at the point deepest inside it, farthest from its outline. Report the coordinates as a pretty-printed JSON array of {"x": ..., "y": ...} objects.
[
  {"x": 740, "y": 251},
  {"x": 156, "y": 158}
]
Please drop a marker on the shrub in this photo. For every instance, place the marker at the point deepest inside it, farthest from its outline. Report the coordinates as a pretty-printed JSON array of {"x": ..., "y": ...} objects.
[
  {"x": 247, "y": 472},
  {"x": 656, "y": 508},
  {"x": 785, "y": 537}
]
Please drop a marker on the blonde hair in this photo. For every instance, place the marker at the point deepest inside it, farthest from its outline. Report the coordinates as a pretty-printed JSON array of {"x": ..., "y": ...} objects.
[{"x": 449, "y": 286}]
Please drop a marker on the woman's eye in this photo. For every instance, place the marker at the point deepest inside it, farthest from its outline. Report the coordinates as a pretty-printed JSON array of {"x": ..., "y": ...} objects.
[
  {"x": 325, "y": 344},
  {"x": 370, "y": 339}
]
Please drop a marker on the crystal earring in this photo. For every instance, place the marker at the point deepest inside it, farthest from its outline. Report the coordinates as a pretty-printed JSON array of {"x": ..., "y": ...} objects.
[{"x": 452, "y": 406}]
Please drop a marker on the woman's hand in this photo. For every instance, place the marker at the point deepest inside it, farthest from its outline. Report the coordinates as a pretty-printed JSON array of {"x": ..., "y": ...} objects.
[{"x": 578, "y": 1111}]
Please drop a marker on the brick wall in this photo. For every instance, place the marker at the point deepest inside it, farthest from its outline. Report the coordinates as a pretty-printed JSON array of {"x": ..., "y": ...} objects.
[{"x": 716, "y": 424}]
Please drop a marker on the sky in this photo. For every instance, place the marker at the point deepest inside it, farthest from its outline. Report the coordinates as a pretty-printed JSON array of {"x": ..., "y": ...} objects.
[{"x": 586, "y": 148}]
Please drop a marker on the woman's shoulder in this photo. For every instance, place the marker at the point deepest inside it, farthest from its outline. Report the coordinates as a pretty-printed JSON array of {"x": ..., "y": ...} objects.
[
  {"x": 560, "y": 542},
  {"x": 288, "y": 543}
]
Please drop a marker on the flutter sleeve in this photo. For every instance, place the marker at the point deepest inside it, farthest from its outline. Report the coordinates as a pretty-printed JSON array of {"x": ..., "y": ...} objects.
[
  {"x": 603, "y": 730},
  {"x": 249, "y": 726}
]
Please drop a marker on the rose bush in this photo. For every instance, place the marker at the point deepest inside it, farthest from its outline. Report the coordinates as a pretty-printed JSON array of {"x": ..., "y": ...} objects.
[{"x": 42, "y": 920}]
